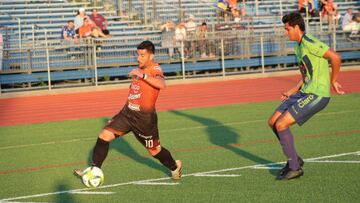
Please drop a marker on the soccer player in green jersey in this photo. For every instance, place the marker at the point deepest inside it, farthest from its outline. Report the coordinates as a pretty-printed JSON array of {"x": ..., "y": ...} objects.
[{"x": 309, "y": 96}]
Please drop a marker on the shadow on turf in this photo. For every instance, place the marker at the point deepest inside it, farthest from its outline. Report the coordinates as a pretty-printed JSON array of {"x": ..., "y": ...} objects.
[
  {"x": 63, "y": 197},
  {"x": 224, "y": 136},
  {"x": 124, "y": 148}
]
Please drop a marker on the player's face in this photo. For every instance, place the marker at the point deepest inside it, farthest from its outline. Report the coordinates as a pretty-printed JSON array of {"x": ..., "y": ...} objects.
[
  {"x": 144, "y": 57},
  {"x": 290, "y": 32}
]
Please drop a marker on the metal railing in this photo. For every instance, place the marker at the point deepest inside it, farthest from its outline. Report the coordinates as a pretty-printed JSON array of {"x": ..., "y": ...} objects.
[
  {"x": 19, "y": 26},
  {"x": 96, "y": 61}
]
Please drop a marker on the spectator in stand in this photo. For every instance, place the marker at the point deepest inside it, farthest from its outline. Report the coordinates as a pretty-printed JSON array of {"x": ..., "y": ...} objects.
[
  {"x": 79, "y": 19},
  {"x": 337, "y": 15},
  {"x": 314, "y": 10},
  {"x": 68, "y": 34},
  {"x": 356, "y": 28},
  {"x": 167, "y": 37},
  {"x": 347, "y": 21},
  {"x": 237, "y": 15},
  {"x": 100, "y": 21},
  {"x": 329, "y": 12},
  {"x": 180, "y": 35},
  {"x": 190, "y": 33},
  {"x": 232, "y": 4},
  {"x": 90, "y": 30},
  {"x": 303, "y": 4},
  {"x": 1, "y": 50},
  {"x": 205, "y": 46}
]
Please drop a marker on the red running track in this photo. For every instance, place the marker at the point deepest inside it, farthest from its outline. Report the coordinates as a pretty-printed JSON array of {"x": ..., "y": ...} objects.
[{"x": 72, "y": 106}]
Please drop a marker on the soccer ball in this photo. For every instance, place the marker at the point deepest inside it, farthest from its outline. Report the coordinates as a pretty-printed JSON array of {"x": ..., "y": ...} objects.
[{"x": 93, "y": 177}]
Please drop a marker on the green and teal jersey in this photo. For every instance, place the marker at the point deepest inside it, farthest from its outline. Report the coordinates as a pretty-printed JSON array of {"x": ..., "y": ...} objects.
[{"x": 313, "y": 66}]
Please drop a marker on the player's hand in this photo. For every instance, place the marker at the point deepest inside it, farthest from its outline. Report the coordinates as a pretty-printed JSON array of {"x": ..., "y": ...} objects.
[
  {"x": 284, "y": 96},
  {"x": 136, "y": 73},
  {"x": 337, "y": 87}
]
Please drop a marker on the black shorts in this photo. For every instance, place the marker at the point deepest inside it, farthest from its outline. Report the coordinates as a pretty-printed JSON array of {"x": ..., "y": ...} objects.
[{"x": 143, "y": 125}]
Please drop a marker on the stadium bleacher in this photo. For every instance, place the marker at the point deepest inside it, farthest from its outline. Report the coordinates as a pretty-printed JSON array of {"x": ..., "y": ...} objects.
[{"x": 33, "y": 45}]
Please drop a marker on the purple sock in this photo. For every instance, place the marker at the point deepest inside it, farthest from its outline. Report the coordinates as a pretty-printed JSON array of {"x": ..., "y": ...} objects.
[{"x": 288, "y": 147}]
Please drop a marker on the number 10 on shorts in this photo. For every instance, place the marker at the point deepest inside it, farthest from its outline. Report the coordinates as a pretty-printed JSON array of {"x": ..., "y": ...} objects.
[{"x": 149, "y": 143}]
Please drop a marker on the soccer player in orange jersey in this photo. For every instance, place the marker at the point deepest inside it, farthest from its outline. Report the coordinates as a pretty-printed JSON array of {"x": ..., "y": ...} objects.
[{"x": 139, "y": 114}]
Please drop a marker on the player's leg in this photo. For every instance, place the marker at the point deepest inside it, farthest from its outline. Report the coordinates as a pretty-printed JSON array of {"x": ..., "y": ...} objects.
[
  {"x": 146, "y": 132},
  {"x": 301, "y": 111},
  {"x": 293, "y": 165},
  {"x": 272, "y": 120},
  {"x": 164, "y": 156},
  {"x": 284, "y": 106},
  {"x": 101, "y": 148},
  {"x": 116, "y": 127}
]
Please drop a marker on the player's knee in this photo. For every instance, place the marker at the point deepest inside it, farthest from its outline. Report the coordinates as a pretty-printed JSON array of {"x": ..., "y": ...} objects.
[
  {"x": 106, "y": 135},
  {"x": 271, "y": 122},
  {"x": 280, "y": 125},
  {"x": 154, "y": 151}
]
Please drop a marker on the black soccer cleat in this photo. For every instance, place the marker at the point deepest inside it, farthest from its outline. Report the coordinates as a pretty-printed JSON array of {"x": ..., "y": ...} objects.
[
  {"x": 287, "y": 167},
  {"x": 291, "y": 174}
]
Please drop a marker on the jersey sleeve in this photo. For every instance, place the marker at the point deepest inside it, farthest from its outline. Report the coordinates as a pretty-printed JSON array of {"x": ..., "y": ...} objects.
[
  {"x": 157, "y": 72},
  {"x": 318, "y": 48}
]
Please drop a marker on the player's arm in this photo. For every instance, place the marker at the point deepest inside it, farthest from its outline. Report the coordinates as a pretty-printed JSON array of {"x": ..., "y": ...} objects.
[
  {"x": 335, "y": 61},
  {"x": 157, "y": 81}
]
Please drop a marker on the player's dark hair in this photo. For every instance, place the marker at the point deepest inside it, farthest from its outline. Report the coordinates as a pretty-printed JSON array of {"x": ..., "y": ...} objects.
[
  {"x": 70, "y": 21},
  {"x": 293, "y": 19},
  {"x": 148, "y": 45}
]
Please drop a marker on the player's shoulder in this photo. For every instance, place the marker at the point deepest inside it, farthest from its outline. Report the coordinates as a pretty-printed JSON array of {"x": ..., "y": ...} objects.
[
  {"x": 156, "y": 68},
  {"x": 309, "y": 40}
]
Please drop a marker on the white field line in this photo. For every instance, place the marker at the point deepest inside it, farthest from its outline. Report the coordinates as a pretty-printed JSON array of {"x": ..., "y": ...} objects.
[
  {"x": 334, "y": 161},
  {"x": 332, "y": 156},
  {"x": 165, "y": 178},
  {"x": 216, "y": 175},
  {"x": 93, "y": 193},
  {"x": 267, "y": 167},
  {"x": 163, "y": 131},
  {"x": 21, "y": 202},
  {"x": 154, "y": 183}
]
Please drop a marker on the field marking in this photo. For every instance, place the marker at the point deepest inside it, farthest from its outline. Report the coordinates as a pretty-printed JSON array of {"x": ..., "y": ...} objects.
[
  {"x": 335, "y": 161},
  {"x": 162, "y": 131},
  {"x": 332, "y": 156},
  {"x": 21, "y": 202},
  {"x": 154, "y": 183},
  {"x": 92, "y": 193},
  {"x": 169, "y": 178},
  {"x": 184, "y": 150},
  {"x": 267, "y": 167},
  {"x": 216, "y": 175}
]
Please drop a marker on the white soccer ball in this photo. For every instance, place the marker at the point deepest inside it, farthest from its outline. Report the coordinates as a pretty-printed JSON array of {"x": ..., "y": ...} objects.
[{"x": 93, "y": 177}]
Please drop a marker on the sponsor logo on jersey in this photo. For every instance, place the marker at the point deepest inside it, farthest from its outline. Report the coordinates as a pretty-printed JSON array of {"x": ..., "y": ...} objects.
[
  {"x": 306, "y": 101},
  {"x": 134, "y": 107},
  {"x": 135, "y": 87},
  {"x": 134, "y": 96}
]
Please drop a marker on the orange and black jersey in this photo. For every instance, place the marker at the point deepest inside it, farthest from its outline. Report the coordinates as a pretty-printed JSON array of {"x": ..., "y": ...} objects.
[{"x": 142, "y": 96}]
